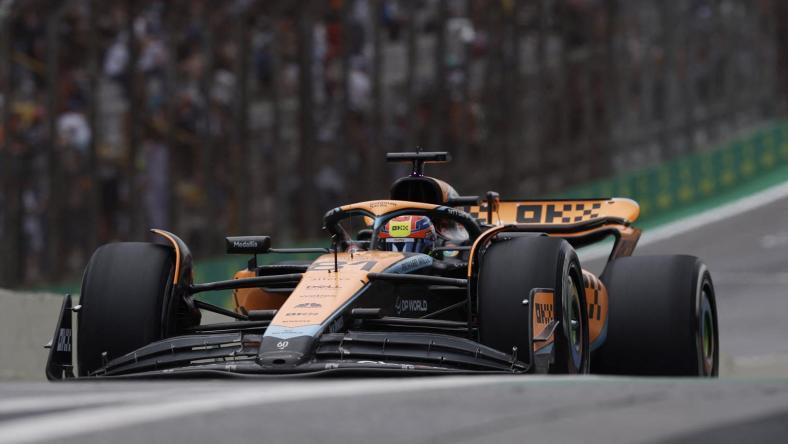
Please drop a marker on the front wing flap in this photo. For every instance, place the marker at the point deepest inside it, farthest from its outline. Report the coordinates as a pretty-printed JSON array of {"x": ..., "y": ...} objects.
[{"x": 235, "y": 353}]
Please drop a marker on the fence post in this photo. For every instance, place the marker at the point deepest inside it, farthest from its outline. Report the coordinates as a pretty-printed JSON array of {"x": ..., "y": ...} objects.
[
  {"x": 781, "y": 34},
  {"x": 6, "y": 251},
  {"x": 93, "y": 113},
  {"x": 491, "y": 96},
  {"x": 688, "y": 90},
  {"x": 539, "y": 161},
  {"x": 411, "y": 76},
  {"x": 438, "y": 111},
  {"x": 374, "y": 172},
  {"x": 240, "y": 129},
  {"x": 772, "y": 79},
  {"x": 134, "y": 208},
  {"x": 306, "y": 152},
  {"x": 344, "y": 107},
  {"x": 207, "y": 146},
  {"x": 281, "y": 159},
  {"x": 10, "y": 269},
  {"x": 513, "y": 89},
  {"x": 463, "y": 142},
  {"x": 611, "y": 96},
  {"x": 54, "y": 244},
  {"x": 171, "y": 78}
]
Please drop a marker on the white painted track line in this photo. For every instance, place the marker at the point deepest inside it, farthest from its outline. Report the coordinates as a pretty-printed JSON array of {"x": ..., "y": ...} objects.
[{"x": 43, "y": 403}]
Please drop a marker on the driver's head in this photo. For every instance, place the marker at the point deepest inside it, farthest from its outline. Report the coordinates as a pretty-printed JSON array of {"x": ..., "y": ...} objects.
[{"x": 412, "y": 234}]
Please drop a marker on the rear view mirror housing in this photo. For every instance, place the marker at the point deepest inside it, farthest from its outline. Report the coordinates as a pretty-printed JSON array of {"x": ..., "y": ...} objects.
[{"x": 248, "y": 244}]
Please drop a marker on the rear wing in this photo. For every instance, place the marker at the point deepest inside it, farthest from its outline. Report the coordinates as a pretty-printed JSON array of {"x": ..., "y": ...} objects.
[
  {"x": 580, "y": 222},
  {"x": 556, "y": 213}
]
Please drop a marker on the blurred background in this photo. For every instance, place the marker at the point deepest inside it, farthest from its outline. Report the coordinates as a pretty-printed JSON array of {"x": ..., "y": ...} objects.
[{"x": 210, "y": 118}]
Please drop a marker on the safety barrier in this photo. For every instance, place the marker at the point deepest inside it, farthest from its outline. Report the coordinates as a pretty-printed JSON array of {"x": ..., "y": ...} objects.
[{"x": 699, "y": 177}]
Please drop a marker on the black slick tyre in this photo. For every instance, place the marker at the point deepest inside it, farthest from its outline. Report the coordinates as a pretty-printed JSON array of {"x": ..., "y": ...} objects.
[
  {"x": 509, "y": 269},
  {"x": 126, "y": 301},
  {"x": 662, "y": 319}
]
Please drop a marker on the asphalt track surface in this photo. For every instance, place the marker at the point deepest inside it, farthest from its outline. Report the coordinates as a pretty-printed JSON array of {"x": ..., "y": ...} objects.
[{"x": 747, "y": 255}]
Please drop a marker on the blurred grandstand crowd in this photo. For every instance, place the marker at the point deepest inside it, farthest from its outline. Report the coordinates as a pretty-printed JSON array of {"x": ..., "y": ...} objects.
[{"x": 255, "y": 116}]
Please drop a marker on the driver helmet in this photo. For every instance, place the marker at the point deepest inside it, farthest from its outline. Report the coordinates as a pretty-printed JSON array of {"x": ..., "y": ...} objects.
[{"x": 409, "y": 234}]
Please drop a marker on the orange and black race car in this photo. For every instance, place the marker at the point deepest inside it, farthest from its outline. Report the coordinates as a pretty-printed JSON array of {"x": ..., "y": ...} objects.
[{"x": 426, "y": 281}]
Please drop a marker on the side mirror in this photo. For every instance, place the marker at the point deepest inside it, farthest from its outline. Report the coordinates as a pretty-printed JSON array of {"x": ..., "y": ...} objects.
[{"x": 248, "y": 244}]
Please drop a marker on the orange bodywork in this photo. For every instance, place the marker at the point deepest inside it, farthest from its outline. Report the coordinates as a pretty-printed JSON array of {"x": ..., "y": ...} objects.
[
  {"x": 596, "y": 298},
  {"x": 446, "y": 190},
  {"x": 178, "y": 254},
  {"x": 255, "y": 298},
  {"x": 381, "y": 207},
  {"x": 542, "y": 314},
  {"x": 322, "y": 291},
  {"x": 559, "y": 212}
]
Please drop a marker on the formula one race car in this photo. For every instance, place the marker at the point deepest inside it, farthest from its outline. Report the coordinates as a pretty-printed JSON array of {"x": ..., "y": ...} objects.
[{"x": 424, "y": 282}]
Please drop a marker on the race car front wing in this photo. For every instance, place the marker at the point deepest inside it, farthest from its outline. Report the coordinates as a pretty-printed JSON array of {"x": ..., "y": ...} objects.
[{"x": 235, "y": 352}]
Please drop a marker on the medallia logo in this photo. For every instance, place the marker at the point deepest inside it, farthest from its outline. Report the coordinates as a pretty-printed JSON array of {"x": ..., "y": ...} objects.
[
  {"x": 245, "y": 244},
  {"x": 410, "y": 305}
]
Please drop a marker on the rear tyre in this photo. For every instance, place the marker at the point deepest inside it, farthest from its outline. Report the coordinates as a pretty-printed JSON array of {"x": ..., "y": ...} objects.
[
  {"x": 662, "y": 319},
  {"x": 127, "y": 301},
  {"x": 509, "y": 269}
]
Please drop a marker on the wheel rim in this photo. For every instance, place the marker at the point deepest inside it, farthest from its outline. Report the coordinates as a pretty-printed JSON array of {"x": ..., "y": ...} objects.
[
  {"x": 574, "y": 323},
  {"x": 707, "y": 333}
]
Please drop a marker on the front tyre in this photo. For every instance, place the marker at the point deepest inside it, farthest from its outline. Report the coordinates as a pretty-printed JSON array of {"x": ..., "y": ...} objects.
[
  {"x": 512, "y": 266},
  {"x": 127, "y": 302}
]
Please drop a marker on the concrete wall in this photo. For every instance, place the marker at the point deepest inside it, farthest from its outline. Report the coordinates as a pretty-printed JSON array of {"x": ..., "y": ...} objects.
[{"x": 27, "y": 322}]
